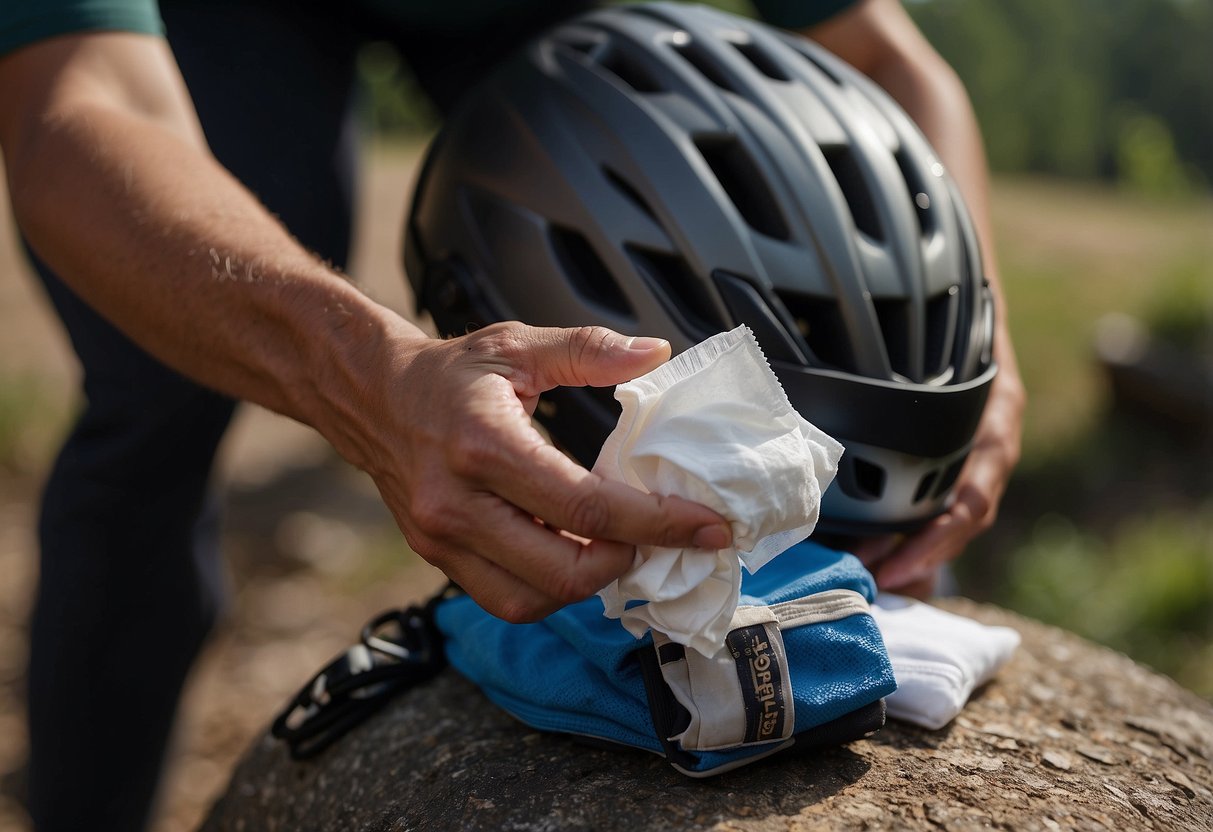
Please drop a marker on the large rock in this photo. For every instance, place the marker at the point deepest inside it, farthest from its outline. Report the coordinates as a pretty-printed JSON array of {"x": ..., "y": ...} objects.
[{"x": 1070, "y": 736}]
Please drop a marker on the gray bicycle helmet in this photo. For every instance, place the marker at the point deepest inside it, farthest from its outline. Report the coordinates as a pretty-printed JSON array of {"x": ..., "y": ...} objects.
[{"x": 672, "y": 170}]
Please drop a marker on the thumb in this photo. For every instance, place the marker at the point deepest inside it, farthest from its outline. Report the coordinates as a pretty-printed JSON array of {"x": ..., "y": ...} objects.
[{"x": 589, "y": 355}]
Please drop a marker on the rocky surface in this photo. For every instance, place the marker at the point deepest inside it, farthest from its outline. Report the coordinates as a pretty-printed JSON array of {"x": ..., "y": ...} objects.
[{"x": 1069, "y": 736}]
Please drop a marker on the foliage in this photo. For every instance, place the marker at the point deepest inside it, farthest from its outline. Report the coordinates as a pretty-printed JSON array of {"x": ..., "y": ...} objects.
[
  {"x": 1146, "y": 588},
  {"x": 1116, "y": 90},
  {"x": 1086, "y": 88},
  {"x": 394, "y": 105},
  {"x": 1146, "y": 159}
]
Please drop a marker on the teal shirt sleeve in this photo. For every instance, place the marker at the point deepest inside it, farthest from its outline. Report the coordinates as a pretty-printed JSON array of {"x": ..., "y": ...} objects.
[
  {"x": 23, "y": 22},
  {"x": 797, "y": 14}
]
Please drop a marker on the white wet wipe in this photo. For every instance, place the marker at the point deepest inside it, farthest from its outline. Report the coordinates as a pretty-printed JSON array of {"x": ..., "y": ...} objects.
[{"x": 713, "y": 425}]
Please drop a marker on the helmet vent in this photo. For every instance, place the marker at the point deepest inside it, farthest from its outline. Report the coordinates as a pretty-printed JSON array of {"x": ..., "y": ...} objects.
[
  {"x": 949, "y": 476},
  {"x": 862, "y": 480},
  {"x": 743, "y": 183},
  {"x": 855, "y": 189},
  {"x": 918, "y": 193},
  {"x": 803, "y": 49},
  {"x": 630, "y": 193},
  {"x": 941, "y": 323},
  {"x": 604, "y": 398},
  {"x": 893, "y": 315},
  {"x": 684, "y": 296},
  {"x": 924, "y": 486},
  {"x": 581, "y": 41},
  {"x": 697, "y": 56},
  {"x": 749, "y": 306},
  {"x": 631, "y": 72},
  {"x": 586, "y": 273},
  {"x": 820, "y": 323},
  {"x": 762, "y": 62}
]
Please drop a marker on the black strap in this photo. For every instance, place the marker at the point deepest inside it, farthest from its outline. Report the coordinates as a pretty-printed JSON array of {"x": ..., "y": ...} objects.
[
  {"x": 855, "y": 725},
  {"x": 398, "y": 650},
  {"x": 669, "y": 717}
]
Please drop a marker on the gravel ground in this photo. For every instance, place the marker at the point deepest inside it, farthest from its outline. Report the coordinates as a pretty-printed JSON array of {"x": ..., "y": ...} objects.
[{"x": 311, "y": 552}]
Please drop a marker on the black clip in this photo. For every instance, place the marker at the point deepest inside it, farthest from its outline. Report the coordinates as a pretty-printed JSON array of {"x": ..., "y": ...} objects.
[{"x": 398, "y": 650}]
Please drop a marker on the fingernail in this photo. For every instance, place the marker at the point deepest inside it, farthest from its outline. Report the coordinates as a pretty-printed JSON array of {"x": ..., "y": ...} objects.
[
  {"x": 645, "y": 344},
  {"x": 712, "y": 537}
]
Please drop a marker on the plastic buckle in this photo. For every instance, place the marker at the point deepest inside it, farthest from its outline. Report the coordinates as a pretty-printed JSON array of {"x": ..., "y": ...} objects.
[{"x": 398, "y": 649}]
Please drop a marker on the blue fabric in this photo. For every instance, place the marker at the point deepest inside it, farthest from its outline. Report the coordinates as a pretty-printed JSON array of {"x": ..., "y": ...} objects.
[{"x": 574, "y": 671}]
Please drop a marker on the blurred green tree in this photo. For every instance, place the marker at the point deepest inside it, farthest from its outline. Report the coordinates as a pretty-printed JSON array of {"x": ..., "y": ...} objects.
[
  {"x": 1119, "y": 90},
  {"x": 1113, "y": 89}
]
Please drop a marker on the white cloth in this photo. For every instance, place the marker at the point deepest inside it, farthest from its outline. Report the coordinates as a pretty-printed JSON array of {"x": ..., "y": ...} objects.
[
  {"x": 713, "y": 425},
  {"x": 939, "y": 658}
]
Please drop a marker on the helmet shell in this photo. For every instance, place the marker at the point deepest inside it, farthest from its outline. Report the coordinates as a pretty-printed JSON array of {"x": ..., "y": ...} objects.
[{"x": 671, "y": 170}]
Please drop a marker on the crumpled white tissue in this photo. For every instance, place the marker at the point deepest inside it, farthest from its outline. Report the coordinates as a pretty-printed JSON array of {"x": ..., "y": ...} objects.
[
  {"x": 713, "y": 425},
  {"x": 939, "y": 658}
]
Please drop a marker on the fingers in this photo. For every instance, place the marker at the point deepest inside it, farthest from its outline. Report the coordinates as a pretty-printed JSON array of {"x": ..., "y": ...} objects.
[
  {"x": 563, "y": 568},
  {"x": 973, "y": 510},
  {"x": 918, "y": 558},
  {"x": 873, "y": 550},
  {"x": 502, "y": 454},
  {"x": 941, "y": 540},
  {"x": 549, "y": 485},
  {"x": 910, "y": 563},
  {"x": 517, "y": 568},
  {"x": 498, "y": 591},
  {"x": 471, "y": 484},
  {"x": 475, "y": 539},
  {"x": 591, "y": 355}
]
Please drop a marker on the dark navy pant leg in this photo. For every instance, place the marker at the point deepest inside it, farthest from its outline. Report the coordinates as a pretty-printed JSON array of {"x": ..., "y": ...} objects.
[
  {"x": 129, "y": 587},
  {"x": 130, "y": 573}
]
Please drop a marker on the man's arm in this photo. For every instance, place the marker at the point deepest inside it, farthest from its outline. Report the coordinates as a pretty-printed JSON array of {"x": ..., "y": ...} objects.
[
  {"x": 113, "y": 185},
  {"x": 880, "y": 39}
]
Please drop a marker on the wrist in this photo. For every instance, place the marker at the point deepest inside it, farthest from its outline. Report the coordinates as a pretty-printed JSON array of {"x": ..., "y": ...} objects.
[{"x": 350, "y": 348}]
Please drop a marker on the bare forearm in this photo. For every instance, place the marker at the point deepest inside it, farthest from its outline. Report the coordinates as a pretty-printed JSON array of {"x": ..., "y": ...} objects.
[
  {"x": 115, "y": 188},
  {"x": 149, "y": 230}
]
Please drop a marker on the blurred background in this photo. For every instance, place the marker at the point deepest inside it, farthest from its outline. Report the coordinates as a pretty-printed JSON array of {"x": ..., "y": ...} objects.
[{"x": 1098, "y": 121}]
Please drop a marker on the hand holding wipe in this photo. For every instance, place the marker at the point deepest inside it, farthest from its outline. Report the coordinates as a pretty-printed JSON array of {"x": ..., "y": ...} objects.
[{"x": 713, "y": 425}]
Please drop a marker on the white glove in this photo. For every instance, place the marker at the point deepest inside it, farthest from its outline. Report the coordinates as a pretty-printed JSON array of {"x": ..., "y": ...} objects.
[{"x": 938, "y": 658}]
